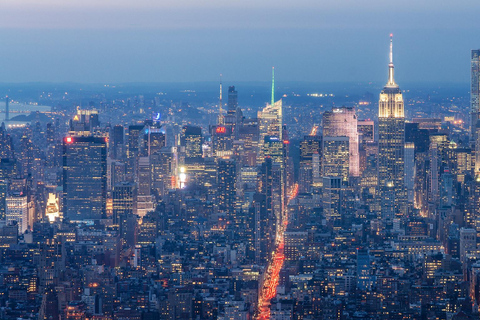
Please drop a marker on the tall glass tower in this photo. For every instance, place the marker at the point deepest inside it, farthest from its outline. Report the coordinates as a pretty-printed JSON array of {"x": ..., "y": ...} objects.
[
  {"x": 391, "y": 135},
  {"x": 475, "y": 108},
  {"x": 84, "y": 177},
  {"x": 474, "y": 92}
]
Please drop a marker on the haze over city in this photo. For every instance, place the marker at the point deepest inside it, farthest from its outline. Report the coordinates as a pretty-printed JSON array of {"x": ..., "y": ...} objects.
[{"x": 182, "y": 41}]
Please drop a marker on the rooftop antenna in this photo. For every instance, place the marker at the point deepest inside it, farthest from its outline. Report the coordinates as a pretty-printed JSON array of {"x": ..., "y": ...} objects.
[
  {"x": 391, "y": 81},
  {"x": 391, "y": 48}
]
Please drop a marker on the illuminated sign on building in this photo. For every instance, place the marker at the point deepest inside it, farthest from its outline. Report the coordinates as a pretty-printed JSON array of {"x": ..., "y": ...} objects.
[
  {"x": 221, "y": 130},
  {"x": 52, "y": 211}
]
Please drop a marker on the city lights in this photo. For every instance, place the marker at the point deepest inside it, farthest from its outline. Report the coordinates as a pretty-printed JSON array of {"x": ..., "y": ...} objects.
[{"x": 193, "y": 200}]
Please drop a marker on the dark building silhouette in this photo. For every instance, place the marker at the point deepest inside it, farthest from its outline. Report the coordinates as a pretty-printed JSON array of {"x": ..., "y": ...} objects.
[
  {"x": 226, "y": 181},
  {"x": 84, "y": 177},
  {"x": 117, "y": 141}
]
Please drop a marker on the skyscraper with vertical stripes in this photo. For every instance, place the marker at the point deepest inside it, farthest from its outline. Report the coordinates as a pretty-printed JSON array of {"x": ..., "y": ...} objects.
[{"x": 391, "y": 142}]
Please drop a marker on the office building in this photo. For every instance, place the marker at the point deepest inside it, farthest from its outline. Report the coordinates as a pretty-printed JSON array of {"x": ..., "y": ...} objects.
[
  {"x": 273, "y": 148},
  {"x": 192, "y": 140},
  {"x": 84, "y": 122},
  {"x": 270, "y": 121},
  {"x": 17, "y": 211},
  {"x": 144, "y": 183},
  {"x": 164, "y": 168},
  {"x": 474, "y": 93},
  {"x": 310, "y": 146},
  {"x": 133, "y": 149},
  {"x": 117, "y": 145},
  {"x": 342, "y": 122},
  {"x": 155, "y": 140},
  {"x": 3, "y": 198},
  {"x": 226, "y": 184},
  {"x": 233, "y": 116},
  {"x": 410, "y": 171},
  {"x": 84, "y": 177},
  {"x": 336, "y": 157},
  {"x": 125, "y": 210}
]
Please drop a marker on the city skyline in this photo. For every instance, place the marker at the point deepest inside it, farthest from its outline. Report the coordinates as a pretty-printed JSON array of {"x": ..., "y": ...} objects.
[
  {"x": 231, "y": 200},
  {"x": 160, "y": 208}
]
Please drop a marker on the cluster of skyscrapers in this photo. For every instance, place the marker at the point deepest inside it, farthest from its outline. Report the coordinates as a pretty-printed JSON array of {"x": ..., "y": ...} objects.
[{"x": 167, "y": 219}]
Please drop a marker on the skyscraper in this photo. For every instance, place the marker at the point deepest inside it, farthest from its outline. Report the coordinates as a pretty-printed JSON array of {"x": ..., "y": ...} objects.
[
  {"x": 17, "y": 210},
  {"x": 310, "y": 146},
  {"x": 474, "y": 93},
  {"x": 264, "y": 205},
  {"x": 335, "y": 161},
  {"x": 226, "y": 181},
  {"x": 391, "y": 144},
  {"x": 331, "y": 200},
  {"x": 124, "y": 210},
  {"x": 133, "y": 151},
  {"x": 342, "y": 122},
  {"x": 84, "y": 122},
  {"x": 248, "y": 135},
  {"x": 84, "y": 177},
  {"x": 232, "y": 99},
  {"x": 117, "y": 142},
  {"x": 144, "y": 183},
  {"x": 3, "y": 198},
  {"x": 192, "y": 140},
  {"x": 124, "y": 200},
  {"x": 366, "y": 138},
  {"x": 164, "y": 166},
  {"x": 154, "y": 141},
  {"x": 410, "y": 170},
  {"x": 273, "y": 148},
  {"x": 222, "y": 142},
  {"x": 234, "y": 115},
  {"x": 270, "y": 121}
]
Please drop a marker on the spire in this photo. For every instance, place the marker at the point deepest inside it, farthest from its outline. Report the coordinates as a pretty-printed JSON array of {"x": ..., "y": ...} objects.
[
  {"x": 391, "y": 81},
  {"x": 273, "y": 86},
  {"x": 391, "y": 48},
  {"x": 220, "y": 111}
]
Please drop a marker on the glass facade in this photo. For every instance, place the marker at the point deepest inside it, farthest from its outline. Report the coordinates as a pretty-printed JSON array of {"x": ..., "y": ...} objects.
[{"x": 84, "y": 178}]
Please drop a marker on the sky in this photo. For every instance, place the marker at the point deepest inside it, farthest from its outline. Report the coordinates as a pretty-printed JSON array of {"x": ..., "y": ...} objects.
[{"x": 107, "y": 41}]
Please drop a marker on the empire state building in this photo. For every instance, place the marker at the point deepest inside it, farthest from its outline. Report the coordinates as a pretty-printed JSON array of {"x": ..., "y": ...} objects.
[{"x": 391, "y": 133}]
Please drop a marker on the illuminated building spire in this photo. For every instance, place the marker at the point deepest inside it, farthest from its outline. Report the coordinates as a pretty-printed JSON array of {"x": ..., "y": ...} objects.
[
  {"x": 273, "y": 86},
  {"x": 220, "y": 111},
  {"x": 392, "y": 191},
  {"x": 391, "y": 81}
]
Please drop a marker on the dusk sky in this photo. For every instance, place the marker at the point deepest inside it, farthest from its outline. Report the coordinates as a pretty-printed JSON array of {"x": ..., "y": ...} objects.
[{"x": 183, "y": 41}]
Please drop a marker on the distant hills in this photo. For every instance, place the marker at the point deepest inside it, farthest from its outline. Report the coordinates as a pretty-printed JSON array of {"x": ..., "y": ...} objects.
[{"x": 33, "y": 116}]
